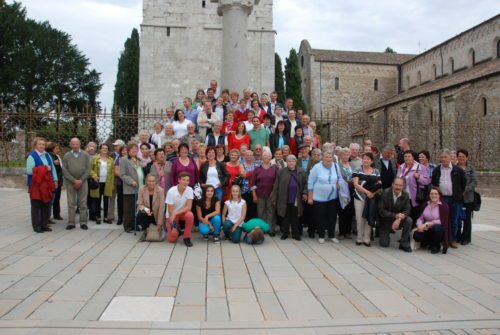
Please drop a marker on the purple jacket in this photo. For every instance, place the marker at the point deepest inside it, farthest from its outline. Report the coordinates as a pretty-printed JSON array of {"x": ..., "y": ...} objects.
[{"x": 412, "y": 182}]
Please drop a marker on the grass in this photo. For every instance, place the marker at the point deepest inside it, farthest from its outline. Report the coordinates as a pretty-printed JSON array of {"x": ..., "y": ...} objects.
[{"x": 14, "y": 163}]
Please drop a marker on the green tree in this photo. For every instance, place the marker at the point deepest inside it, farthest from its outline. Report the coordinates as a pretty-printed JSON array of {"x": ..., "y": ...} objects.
[
  {"x": 279, "y": 82},
  {"x": 44, "y": 72},
  {"x": 126, "y": 95},
  {"x": 292, "y": 80},
  {"x": 389, "y": 50}
]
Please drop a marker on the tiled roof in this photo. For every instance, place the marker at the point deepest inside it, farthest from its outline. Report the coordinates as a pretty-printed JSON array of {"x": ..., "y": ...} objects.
[
  {"x": 321, "y": 55},
  {"x": 482, "y": 70}
]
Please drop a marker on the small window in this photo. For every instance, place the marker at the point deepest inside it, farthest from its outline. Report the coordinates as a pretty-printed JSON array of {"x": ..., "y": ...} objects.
[
  {"x": 434, "y": 69},
  {"x": 431, "y": 115},
  {"x": 472, "y": 56},
  {"x": 484, "y": 105},
  {"x": 203, "y": 4},
  {"x": 375, "y": 85},
  {"x": 498, "y": 49},
  {"x": 452, "y": 65},
  {"x": 168, "y": 31},
  {"x": 337, "y": 83},
  {"x": 407, "y": 82},
  {"x": 301, "y": 61},
  {"x": 419, "y": 78}
]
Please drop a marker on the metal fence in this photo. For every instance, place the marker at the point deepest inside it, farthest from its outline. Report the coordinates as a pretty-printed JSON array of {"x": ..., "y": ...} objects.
[{"x": 17, "y": 129}]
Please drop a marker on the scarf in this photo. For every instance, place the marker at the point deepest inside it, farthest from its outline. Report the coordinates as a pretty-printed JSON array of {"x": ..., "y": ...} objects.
[{"x": 161, "y": 178}]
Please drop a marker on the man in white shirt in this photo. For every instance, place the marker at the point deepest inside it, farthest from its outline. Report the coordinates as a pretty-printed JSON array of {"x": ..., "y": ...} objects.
[{"x": 179, "y": 201}]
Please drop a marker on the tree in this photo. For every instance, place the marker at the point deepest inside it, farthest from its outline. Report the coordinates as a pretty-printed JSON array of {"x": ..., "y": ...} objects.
[
  {"x": 293, "y": 81},
  {"x": 279, "y": 83},
  {"x": 44, "y": 72},
  {"x": 126, "y": 95},
  {"x": 389, "y": 50}
]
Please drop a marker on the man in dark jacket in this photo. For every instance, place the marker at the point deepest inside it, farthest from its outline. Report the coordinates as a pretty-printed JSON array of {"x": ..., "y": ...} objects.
[
  {"x": 386, "y": 165},
  {"x": 451, "y": 182},
  {"x": 394, "y": 212}
]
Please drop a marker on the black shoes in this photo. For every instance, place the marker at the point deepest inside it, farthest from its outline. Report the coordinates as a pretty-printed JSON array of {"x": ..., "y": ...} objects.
[
  {"x": 297, "y": 238},
  {"x": 38, "y": 230},
  {"x": 405, "y": 249},
  {"x": 69, "y": 227},
  {"x": 283, "y": 237},
  {"x": 58, "y": 218},
  {"x": 435, "y": 250},
  {"x": 108, "y": 221},
  {"x": 119, "y": 223},
  {"x": 358, "y": 243},
  {"x": 84, "y": 226},
  {"x": 367, "y": 244},
  {"x": 464, "y": 242},
  {"x": 98, "y": 221},
  {"x": 187, "y": 242},
  {"x": 47, "y": 229}
]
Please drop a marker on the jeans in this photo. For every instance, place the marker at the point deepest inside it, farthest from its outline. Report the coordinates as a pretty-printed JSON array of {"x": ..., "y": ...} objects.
[
  {"x": 456, "y": 223},
  {"x": 219, "y": 193},
  {"x": 234, "y": 236},
  {"x": 433, "y": 236},
  {"x": 215, "y": 221}
]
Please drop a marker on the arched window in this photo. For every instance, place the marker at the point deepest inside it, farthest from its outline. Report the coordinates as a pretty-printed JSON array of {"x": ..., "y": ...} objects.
[
  {"x": 484, "y": 106},
  {"x": 337, "y": 83},
  {"x": 434, "y": 70},
  {"x": 472, "y": 57},
  {"x": 451, "y": 62},
  {"x": 301, "y": 61},
  {"x": 375, "y": 85},
  {"x": 419, "y": 78}
]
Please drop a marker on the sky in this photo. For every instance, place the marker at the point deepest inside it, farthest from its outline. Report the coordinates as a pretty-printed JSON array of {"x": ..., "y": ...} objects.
[{"x": 100, "y": 27}]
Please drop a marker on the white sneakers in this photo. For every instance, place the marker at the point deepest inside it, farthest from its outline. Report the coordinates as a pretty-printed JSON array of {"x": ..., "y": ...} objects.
[{"x": 322, "y": 240}]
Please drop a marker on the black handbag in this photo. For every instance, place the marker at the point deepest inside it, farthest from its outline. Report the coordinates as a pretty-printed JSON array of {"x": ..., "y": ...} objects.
[
  {"x": 93, "y": 184},
  {"x": 422, "y": 191},
  {"x": 477, "y": 202}
]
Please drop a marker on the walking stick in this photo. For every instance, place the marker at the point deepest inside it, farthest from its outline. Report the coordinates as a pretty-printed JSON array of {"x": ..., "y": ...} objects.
[{"x": 135, "y": 212}]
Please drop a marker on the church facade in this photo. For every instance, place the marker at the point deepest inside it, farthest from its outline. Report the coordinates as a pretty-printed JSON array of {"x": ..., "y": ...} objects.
[
  {"x": 181, "y": 50},
  {"x": 445, "y": 97}
]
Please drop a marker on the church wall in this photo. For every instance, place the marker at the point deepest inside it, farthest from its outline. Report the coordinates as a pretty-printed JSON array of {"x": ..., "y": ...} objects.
[
  {"x": 482, "y": 39},
  {"x": 464, "y": 124}
]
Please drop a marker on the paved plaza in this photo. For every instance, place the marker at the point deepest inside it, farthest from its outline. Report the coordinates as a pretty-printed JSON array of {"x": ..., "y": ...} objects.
[{"x": 100, "y": 280}]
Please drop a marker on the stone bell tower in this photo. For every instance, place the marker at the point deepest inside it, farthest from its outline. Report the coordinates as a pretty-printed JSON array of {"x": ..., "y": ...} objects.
[{"x": 186, "y": 43}]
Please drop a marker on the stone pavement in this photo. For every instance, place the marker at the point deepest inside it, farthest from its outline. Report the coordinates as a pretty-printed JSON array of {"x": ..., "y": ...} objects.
[{"x": 62, "y": 282}]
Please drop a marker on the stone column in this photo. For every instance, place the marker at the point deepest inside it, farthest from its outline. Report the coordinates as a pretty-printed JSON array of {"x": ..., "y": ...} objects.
[{"x": 234, "y": 69}]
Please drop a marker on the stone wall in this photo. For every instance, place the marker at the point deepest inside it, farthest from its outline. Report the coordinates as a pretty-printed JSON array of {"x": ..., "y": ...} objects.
[
  {"x": 181, "y": 50},
  {"x": 436, "y": 62},
  {"x": 464, "y": 124}
]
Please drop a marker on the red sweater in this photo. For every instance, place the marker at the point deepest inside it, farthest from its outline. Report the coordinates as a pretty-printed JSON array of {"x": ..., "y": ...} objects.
[{"x": 42, "y": 185}]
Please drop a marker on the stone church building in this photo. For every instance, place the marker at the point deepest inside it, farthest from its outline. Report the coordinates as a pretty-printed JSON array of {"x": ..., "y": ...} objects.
[
  {"x": 447, "y": 96},
  {"x": 182, "y": 48}
]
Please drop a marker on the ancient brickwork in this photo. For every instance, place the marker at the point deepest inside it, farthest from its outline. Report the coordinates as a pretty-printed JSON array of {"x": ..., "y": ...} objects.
[{"x": 475, "y": 45}]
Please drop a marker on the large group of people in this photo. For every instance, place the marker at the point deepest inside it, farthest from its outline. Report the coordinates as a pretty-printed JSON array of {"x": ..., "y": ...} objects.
[{"x": 226, "y": 167}]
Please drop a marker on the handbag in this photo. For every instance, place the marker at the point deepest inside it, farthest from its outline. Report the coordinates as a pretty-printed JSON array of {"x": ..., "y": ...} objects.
[
  {"x": 93, "y": 184},
  {"x": 198, "y": 191},
  {"x": 153, "y": 235},
  {"x": 422, "y": 194}
]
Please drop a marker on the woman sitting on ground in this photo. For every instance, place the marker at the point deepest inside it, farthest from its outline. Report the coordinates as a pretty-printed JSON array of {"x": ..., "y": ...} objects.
[
  {"x": 433, "y": 225},
  {"x": 208, "y": 213},
  {"x": 151, "y": 204},
  {"x": 233, "y": 214}
]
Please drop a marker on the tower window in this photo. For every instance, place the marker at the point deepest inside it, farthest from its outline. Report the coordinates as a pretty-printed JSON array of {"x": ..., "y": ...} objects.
[
  {"x": 498, "y": 49},
  {"x": 472, "y": 57},
  {"x": 337, "y": 83},
  {"x": 203, "y": 4},
  {"x": 484, "y": 105},
  {"x": 375, "y": 85},
  {"x": 168, "y": 31},
  {"x": 452, "y": 65}
]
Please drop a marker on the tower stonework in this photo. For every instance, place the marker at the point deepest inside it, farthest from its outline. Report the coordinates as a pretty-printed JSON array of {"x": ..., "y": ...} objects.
[{"x": 184, "y": 45}]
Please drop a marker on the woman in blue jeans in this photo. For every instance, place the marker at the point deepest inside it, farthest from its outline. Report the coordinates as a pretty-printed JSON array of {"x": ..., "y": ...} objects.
[{"x": 208, "y": 212}]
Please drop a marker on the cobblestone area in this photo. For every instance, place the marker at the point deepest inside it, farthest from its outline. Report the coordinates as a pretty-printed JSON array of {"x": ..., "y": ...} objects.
[{"x": 62, "y": 282}]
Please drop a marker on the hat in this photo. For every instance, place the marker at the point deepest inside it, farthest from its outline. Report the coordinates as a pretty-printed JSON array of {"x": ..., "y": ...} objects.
[
  {"x": 119, "y": 142},
  {"x": 303, "y": 145}
]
